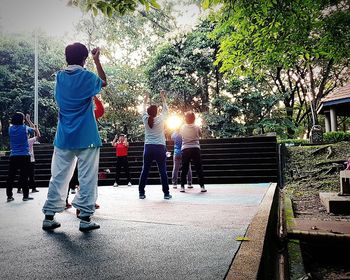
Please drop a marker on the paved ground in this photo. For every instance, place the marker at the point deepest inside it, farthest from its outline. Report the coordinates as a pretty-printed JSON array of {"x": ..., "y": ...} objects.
[{"x": 192, "y": 236}]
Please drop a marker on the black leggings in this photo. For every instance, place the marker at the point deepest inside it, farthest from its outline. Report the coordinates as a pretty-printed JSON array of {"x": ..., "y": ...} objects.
[{"x": 21, "y": 163}]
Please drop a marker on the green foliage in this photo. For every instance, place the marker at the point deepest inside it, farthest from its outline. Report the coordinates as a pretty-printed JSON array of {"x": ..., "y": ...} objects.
[
  {"x": 298, "y": 48},
  {"x": 17, "y": 81},
  {"x": 336, "y": 136},
  {"x": 183, "y": 67},
  {"x": 109, "y": 7}
]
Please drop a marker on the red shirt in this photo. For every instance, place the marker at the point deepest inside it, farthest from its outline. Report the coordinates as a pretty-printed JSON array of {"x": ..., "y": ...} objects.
[{"x": 121, "y": 150}]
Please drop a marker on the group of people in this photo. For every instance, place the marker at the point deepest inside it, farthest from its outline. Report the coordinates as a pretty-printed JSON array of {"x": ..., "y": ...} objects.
[{"x": 77, "y": 143}]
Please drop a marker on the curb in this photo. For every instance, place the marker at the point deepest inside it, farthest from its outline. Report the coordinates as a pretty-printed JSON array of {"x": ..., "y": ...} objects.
[{"x": 247, "y": 261}]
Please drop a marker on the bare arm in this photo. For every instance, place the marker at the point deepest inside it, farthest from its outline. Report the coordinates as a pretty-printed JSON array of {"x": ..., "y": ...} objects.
[
  {"x": 101, "y": 73},
  {"x": 114, "y": 141},
  {"x": 145, "y": 100},
  {"x": 32, "y": 125}
]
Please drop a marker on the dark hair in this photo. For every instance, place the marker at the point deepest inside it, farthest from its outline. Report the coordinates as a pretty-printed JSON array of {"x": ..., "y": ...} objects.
[
  {"x": 17, "y": 118},
  {"x": 152, "y": 113},
  {"x": 190, "y": 117},
  {"x": 76, "y": 54}
]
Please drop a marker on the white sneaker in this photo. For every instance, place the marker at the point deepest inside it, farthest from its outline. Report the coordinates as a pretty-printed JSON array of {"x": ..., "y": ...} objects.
[
  {"x": 203, "y": 189},
  {"x": 189, "y": 186},
  {"x": 129, "y": 184},
  {"x": 50, "y": 224},
  {"x": 115, "y": 184},
  {"x": 182, "y": 189},
  {"x": 174, "y": 186},
  {"x": 87, "y": 226}
]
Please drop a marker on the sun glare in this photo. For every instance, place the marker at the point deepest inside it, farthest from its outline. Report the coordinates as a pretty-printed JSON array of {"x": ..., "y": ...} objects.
[{"x": 174, "y": 122}]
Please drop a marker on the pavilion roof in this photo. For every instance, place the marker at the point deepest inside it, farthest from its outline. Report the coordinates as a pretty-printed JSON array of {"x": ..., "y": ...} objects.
[{"x": 339, "y": 99}]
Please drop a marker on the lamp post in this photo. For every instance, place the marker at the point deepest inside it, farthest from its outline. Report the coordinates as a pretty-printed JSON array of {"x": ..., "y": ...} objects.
[{"x": 36, "y": 78}]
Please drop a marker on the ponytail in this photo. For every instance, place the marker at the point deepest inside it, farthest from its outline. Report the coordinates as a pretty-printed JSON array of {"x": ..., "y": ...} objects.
[
  {"x": 150, "y": 121},
  {"x": 152, "y": 113}
]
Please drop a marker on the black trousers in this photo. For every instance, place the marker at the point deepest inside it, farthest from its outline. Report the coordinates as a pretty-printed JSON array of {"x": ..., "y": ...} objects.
[
  {"x": 122, "y": 162},
  {"x": 31, "y": 180},
  {"x": 192, "y": 155},
  {"x": 21, "y": 163}
]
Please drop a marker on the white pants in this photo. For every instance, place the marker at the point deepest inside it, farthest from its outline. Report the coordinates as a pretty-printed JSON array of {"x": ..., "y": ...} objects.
[{"x": 62, "y": 169}]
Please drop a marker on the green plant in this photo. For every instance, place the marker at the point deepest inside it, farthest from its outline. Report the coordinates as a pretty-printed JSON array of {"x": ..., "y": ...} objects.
[{"x": 336, "y": 136}]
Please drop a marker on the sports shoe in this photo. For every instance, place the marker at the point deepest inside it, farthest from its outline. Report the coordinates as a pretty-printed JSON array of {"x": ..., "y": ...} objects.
[
  {"x": 129, "y": 184},
  {"x": 174, "y": 186},
  {"x": 9, "y": 199},
  {"x": 142, "y": 196},
  {"x": 35, "y": 190},
  {"x": 50, "y": 224},
  {"x": 87, "y": 226},
  {"x": 167, "y": 196},
  {"x": 115, "y": 185},
  {"x": 203, "y": 189},
  {"x": 182, "y": 189},
  {"x": 27, "y": 198},
  {"x": 189, "y": 186}
]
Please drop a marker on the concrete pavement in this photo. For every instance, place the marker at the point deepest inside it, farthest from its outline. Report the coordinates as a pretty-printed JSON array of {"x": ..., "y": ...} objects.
[{"x": 191, "y": 236}]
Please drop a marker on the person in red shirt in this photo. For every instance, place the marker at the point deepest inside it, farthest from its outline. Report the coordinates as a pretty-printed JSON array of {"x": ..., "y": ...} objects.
[{"x": 121, "y": 146}]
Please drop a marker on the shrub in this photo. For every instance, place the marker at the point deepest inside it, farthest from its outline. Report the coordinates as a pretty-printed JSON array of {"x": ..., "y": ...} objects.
[{"x": 336, "y": 136}]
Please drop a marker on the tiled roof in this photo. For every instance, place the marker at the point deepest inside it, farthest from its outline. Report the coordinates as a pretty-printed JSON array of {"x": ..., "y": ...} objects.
[{"x": 339, "y": 93}]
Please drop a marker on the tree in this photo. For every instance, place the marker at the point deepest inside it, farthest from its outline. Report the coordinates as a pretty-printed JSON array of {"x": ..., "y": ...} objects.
[
  {"x": 300, "y": 48},
  {"x": 109, "y": 7},
  {"x": 185, "y": 68},
  {"x": 17, "y": 80}
]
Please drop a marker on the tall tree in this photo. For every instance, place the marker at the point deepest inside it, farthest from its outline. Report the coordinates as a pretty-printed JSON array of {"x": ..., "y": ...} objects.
[{"x": 298, "y": 47}]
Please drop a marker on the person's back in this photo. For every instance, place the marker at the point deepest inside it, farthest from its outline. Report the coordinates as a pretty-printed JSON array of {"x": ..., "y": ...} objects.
[
  {"x": 155, "y": 135},
  {"x": 19, "y": 140},
  {"x": 190, "y": 136},
  {"x": 77, "y": 127}
]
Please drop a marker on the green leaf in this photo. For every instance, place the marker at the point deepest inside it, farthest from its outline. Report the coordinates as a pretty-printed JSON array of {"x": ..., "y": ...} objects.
[
  {"x": 94, "y": 11},
  {"x": 155, "y": 4},
  {"x": 242, "y": 238},
  {"x": 206, "y": 4}
]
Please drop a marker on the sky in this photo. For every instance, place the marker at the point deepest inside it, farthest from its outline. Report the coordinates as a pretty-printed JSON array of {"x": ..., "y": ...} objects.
[{"x": 54, "y": 17}]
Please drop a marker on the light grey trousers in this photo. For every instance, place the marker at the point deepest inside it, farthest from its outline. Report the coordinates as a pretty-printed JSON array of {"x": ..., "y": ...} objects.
[
  {"x": 176, "y": 167},
  {"x": 62, "y": 169}
]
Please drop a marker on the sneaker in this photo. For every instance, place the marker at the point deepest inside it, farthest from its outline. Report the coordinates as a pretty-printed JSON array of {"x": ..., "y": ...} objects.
[
  {"x": 27, "y": 198},
  {"x": 87, "y": 226},
  {"x": 19, "y": 191},
  {"x": 129, "y": 184},
  {"x": 9, "y": 199},
  {"x": 167, "y": 196},
  {"x": 203, "y": 189},
  {"x": 68, "y": 205},
  {"x": 189, "y": 186},
  {"x": 115, "y": 185},
  {"x": 182, "y": 189},
  {"x": 174, "y": 186},
  {"x": 50, "y": 224},
  {"x": 142, "y": 196},
  {"x": 35, "y": 190}
]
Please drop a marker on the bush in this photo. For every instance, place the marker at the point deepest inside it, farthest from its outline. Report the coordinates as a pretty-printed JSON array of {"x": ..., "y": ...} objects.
[
  {"x": 295, "y": 142},
  {"x": 336, "y": 136}
]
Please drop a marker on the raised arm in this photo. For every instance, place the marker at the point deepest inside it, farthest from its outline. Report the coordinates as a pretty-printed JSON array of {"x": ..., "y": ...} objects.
[
  {"x": 32, "y": 125},
  {"x": 101, "y": 73},
  {"x": 164, "y": 105},
  {"x": 145, "y": 100},
  {"x": 114, "y": 140}
]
